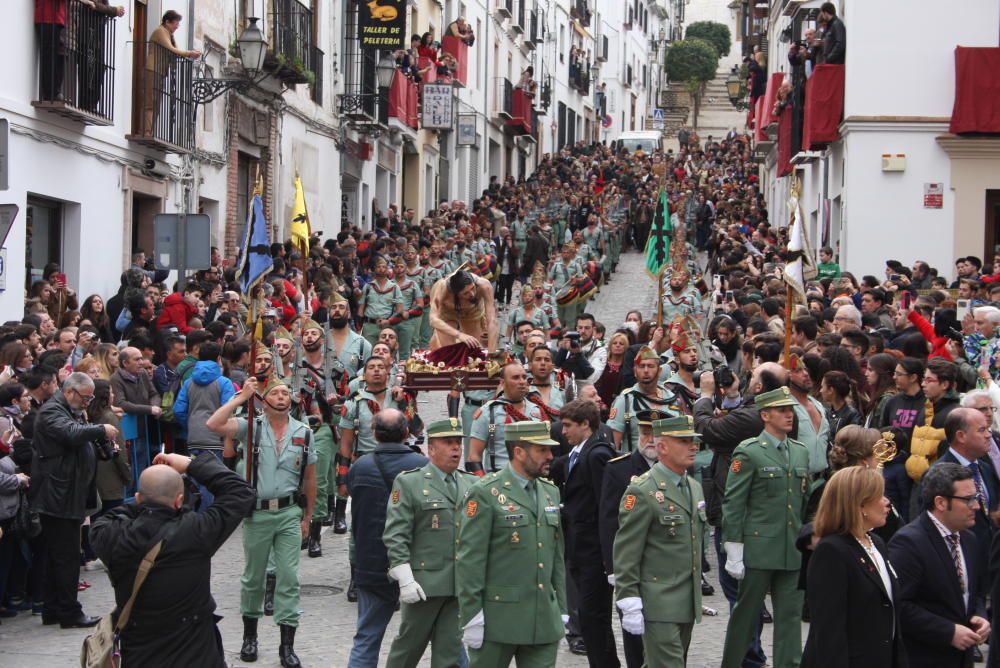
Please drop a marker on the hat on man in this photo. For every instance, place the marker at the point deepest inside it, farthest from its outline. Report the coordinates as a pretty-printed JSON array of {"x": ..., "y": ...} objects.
[
  {"x": 282, "y": 333},
  {"x": 449, "y": 428},
  {"x": 311, "y": 324},
  {"x": 647, "y": 353},
  {"x": 337, "y": 298},
  {"x": 645, "y": 418},
  {"x": 681, "y": 426},
  {"x": 273, "y": 381},
  {"x": 774, "y": 399},
  {"x": 528, "y": 431}
]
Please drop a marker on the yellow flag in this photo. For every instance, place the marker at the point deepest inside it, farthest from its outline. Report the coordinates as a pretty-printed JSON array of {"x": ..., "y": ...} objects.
[{"x": 300, "y": 220}]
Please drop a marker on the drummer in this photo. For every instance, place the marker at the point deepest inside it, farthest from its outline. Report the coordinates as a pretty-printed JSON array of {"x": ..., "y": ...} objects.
[{"x": 564, "y": 275}]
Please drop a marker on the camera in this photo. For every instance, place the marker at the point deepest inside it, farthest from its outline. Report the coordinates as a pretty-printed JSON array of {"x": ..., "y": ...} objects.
[{"x": 105, "y": 449}]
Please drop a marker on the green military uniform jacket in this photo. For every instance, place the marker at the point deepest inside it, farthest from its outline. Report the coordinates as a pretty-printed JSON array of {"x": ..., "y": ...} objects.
[
  {"x": 421, "y": 526},
  {"x": 357, "y": 415},
  {"x": 278, "y": 475},
  {"x": 622, "y": 416},
  {"x": 412, "y": 293},
  {"x": 380, "y": 302},
  {"x": 355, "y": 351},
  {"x": 510, "y": 561},
  {"x": 561, "y": 273},
  {"x": 657, "y": 552},
  {"x": 541, "y": 317},
  {"x": 491, "y": 418},
  {"x": 766, "y": 497}
]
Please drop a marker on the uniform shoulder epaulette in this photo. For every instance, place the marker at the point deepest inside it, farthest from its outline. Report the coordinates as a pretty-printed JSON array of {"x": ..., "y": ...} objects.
[
  {"x": 464, "y": 472},
  {"x": 641, "y": 477},
  {"x": 620, "y": 457},
  {"x": 409, "y": 471},
  {"x": 548, "y": 482},
  {"x": 628, "y": 390}
]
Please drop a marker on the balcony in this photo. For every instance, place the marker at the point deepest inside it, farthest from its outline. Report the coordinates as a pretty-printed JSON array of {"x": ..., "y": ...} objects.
[
  {"x": 163, "y": 113},
  {"x": 459, "y": 50},
  {"x": 580, "y": 11},
  {"x": 532, "y": 37},
  {"x": 503, "y": 100},
  {"x": 316, "y": 87},
  {"x": 602, "y": 49},
  {"x": 521, "y": 114},
  {"x": 976, "y": 91},
  {"x": 579, "y": 76},
  {"x": 78, "y": 83},
  {"x": 505, "y": 8},
  {"x": 291, "y": 54},
  {"x": 403, "y": 101},
  {"x": 517, "y": 22},
  {"x": 824, "y": 107},
  {"x": 428, "y": 69}
]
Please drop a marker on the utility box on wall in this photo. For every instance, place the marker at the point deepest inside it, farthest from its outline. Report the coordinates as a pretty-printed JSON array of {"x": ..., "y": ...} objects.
[{"x": 893, "y": 162}]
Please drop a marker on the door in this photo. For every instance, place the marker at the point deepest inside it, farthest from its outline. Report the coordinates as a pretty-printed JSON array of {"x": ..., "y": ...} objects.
[{"x": 44, "y": 237}]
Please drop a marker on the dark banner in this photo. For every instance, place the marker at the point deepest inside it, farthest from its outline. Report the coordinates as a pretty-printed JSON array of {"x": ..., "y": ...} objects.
[{"x": 382, "y": 24}]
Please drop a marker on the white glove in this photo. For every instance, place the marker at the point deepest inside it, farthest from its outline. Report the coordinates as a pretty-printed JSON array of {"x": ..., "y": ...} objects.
[
  {"x": 565, "y": 619},
  {"x": 632, "y": 620},
  {"x": 410, "y": 590},
  {"x": 472, "y": 633},
  {"x": 611, "y": 579},
  {"x": 734, "y": 560}
]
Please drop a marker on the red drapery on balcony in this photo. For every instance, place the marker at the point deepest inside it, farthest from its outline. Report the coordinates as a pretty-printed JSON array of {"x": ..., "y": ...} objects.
[
  {"x": 785, "y": 142},
  {"x": 431, "y": 75},
  {"x": 758, "y": 119},
  {"x": 460, "y": 51},
  {"x": 403, "y": 100},
  {"x": 977, "y": 90},
  {"x": 824, "y": 106},
  {"x": 520, "y": 110}
]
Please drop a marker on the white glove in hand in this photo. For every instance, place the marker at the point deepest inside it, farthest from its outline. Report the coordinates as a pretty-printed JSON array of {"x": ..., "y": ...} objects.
[
  {"x": 734, "y": 560},
  {"x": 410, "y": 590},
  {"x": 632, "y": 620},
  {"x": 472, "y": 633},
  {"x": 611, "y": 579}
]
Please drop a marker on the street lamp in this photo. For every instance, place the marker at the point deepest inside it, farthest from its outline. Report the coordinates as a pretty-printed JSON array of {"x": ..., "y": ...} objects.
[
  {"x": 385, "y": 70},
  {"x": 734, "y": 86},
  {"x": 253, "y": 50}
]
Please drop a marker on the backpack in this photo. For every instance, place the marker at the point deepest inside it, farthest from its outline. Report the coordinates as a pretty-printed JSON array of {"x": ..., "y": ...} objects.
[{"x": 168, "y": 398}]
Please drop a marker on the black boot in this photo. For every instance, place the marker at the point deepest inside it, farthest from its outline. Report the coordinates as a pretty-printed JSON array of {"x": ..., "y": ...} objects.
[
  {"x": 328, "y": 520},
  {"x": 269, "y": 594},
  {"x": 286, "y": 650},
  {"x": 454, "y": 403},
  {"x": 315, "y": 549},
  {"x": 248, "y": 651},
  {"x": 352, "y": 593},
  {"x": 340, "y": 516}
]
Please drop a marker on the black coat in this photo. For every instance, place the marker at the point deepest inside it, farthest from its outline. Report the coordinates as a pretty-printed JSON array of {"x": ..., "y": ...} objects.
[
  {"x": 535, "y": 250},
  {"x": 370, "y": 491},
  {"x": 929, "y": 599},
  {"x": 854, "y": 620},
  {"x": 994, "y": 577},
  {"x": 173, "y": 621},
  {"x": 64, "y": 464},
  {"x": 834, "y": 42},
  {"x": 581, "y": 498},
  {"x": 617, "y": 475},
  {"x": 506, "y": 250}
]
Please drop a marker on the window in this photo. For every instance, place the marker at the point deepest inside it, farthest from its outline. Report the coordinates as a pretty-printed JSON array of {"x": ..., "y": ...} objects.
[{"x": 43, "y": 236}]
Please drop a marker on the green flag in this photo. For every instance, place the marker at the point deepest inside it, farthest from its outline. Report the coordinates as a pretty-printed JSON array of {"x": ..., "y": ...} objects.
[{"x": 658, "y": 243}]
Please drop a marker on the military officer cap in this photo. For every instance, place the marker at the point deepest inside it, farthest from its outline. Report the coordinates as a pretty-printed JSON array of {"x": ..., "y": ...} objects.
[
  {"x": 645, "y": 418},
  {"x": 681, "y": 426},
  {"x": 529, "y": 431},
  {"x": 774, "y": 399},
  {"x": 282, "y": 333},
  {"x": 647, "y": 353},
  {"x": 337, "y": 298},
  {"x": 452, "y": 427},
  {"x": 311, "y": 324},
  {"x": 273, "y": 381}
]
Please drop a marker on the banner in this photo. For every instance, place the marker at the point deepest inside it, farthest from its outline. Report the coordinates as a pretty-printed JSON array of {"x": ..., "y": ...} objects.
[
  {"x": 382, "y": 24},
  {"x": 301, "y": 228},
  {"x": 658, "y": 243},
  {"x": 255, "y": 250}
]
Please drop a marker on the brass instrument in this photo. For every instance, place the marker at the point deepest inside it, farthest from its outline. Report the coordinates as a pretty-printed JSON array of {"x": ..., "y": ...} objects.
[{"x": 885, "y": 449}]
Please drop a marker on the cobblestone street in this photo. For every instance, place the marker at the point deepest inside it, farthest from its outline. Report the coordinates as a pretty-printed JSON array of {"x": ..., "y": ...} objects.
[{"x": 327, "y": 625}]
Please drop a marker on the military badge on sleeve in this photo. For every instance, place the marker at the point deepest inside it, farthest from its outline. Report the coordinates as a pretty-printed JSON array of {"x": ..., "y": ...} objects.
[
  {"x": 395, "y": 496},
  {"x": 737, "y": 466},
  {"x": 470, "y": 508},
  {"x": 629, "y": 502},
  {"x": 612, "y": 413}
]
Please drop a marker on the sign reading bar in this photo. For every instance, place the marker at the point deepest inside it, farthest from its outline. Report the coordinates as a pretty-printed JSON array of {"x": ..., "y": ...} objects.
[
  {"x": 382, "y": 24},
  {"x": 437, "y": 107}
]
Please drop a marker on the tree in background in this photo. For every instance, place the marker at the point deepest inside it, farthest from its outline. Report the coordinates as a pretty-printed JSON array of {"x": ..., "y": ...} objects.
[
  {"x": 716, "y": 34},
  {"x": 693, "y": 63}
]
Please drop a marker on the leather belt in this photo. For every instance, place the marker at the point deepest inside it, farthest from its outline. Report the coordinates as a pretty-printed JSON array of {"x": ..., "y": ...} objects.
[
  {"x": 475, "y": 402},
  {"x": 274, "y": 504}
]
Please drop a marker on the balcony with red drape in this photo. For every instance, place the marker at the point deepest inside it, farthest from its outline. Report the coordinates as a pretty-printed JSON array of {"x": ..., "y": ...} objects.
[
  {"x": 785, "y": 141},
  {"x": 460, "y": 51},
  {"x": 403, "y": 100},
  {"x": 824, "y": 107},
  {"x": 977, "y": 90},
  {"x": 520, "y": 120}
]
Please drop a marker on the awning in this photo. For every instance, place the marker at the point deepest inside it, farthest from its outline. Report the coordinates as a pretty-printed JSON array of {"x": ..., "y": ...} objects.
[{"x": 977, "y": 90}]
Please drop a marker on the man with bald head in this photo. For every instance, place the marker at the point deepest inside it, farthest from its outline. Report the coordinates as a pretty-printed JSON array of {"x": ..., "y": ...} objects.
[{"x": 173, "y": 624}]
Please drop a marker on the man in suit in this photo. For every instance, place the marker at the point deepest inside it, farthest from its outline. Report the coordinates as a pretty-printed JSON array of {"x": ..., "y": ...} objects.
[
  {"x": 968, "y": 434},
  {"x": 584, "y": 472},
  {"x": 936, "y": 559},
  {"x": 657, "y": 550},
  {"x": 617, "y": 475}
]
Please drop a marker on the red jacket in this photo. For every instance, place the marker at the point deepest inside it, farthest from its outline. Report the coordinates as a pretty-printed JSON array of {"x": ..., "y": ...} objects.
[
  {"x": 50, "y": 11},
  {"x": 938, "y": 343},
  {"x": 176, "y": 312}
]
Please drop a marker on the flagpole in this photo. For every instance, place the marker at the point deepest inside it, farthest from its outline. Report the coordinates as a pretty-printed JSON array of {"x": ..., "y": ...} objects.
[
  {"x": 248, "y": 446},
  {"x": 789, "y": 304}
]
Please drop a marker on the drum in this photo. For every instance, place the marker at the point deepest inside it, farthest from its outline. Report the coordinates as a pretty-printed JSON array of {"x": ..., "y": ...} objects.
[
  {"x": 487, "y": 267},
  {"x": 595, "y": 271},
  {"x": 567, "y": 295},
  {"x": 585, "y": 290}
]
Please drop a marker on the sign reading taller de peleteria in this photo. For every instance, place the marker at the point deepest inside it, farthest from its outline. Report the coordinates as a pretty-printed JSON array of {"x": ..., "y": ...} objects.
[{"x": 382, "y": 24}]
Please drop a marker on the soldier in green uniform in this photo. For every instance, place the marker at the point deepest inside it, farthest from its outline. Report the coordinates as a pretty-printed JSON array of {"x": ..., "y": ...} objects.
[
  {"x": 421, "y": 528},
  {"x": 510, "y": 569},
  {"x": 681, "y": 299},
  {"x": 564, "y": 272},
  {"x": 766, "y": 495},
  {"x": 284, "y": 476},
  {"x": 528, "y": 311},
  {"x": 486, "y": 451},
  {"x": 380, "y": 299},
  {"x": 657, "y": 550},
  {"x": 646, "y": 394},
  {"x": 408, "y": 327}
]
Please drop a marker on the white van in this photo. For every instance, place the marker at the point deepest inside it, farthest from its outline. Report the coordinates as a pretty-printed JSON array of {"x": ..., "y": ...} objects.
[{"x": 647, "y": 140}]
